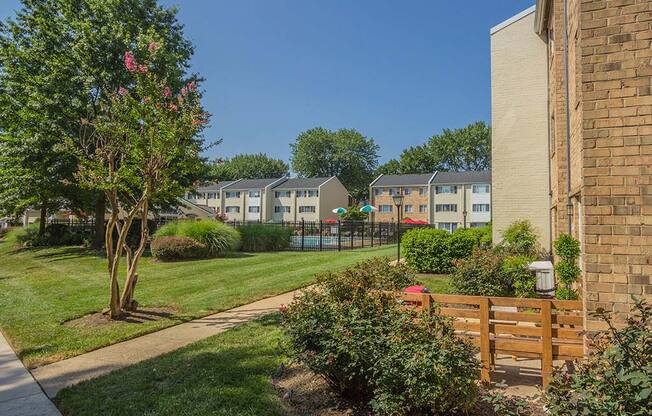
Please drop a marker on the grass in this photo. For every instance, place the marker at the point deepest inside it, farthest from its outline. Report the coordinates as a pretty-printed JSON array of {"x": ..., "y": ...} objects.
[
  {"x": 40, "y": 289},
  {"x": 225, "y": 375},
  {"x": 437, "y": 283}
]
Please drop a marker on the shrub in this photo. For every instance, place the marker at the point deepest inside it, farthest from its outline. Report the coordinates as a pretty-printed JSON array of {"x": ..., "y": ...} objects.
[
  {"x": 427, "y": 250},
  {"x": 617, "y": 377},
  {"x": 521, "y": 239},
  {"x": 523, "y": 281},
  {"x": 567, "y": 270},
  {"x": 55, "y": 235},
  {"x": 374, "y": 352},
  {"x": 265, "y": 237},
  {"x": 218, "y": 237},
  {"x": 177, "y": 248},
  {"x": 462, "y": 242},
  {"x": 481, "y": 274}
]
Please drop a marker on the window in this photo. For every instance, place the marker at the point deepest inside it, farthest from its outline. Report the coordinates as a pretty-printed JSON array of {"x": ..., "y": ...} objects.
[
  {"x": 448, "y": 226},
  {"x": 407, "y": 191},
  {"x": 254, "y": 209},
  {"x": 423, "y": 191},
  {"x": 313, "y": 193},
  {"x": 446, "y": 208},
  {"x": 384, "y": 208},
  {"x": 307, "y": 208},
  {"x": 279, "y": 209},
  {"x": 212, "y": 195},
  {"x": 232, "y": 194},
  {"x": 408, "y": 208},
  {"x": 301, "y": 194},
  {"x": 446, "y": 189},
  {"x": 480, "y": 207},
  {"x": 232, "y": 209},
  {"x": 191, "y": 195},
  {"x": 392, "y": 191},
  {"x": 478, "y": 224},
  {"x": 481, "y": 189},
  {"x": 423, "y": 208},
  {"x": 378, "y": 191},
  {"x": 282, "y": 194},
  {"x": 254, "y": 194}
]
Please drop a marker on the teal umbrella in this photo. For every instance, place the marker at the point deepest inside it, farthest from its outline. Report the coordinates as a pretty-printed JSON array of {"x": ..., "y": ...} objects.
[
  {"x": 368, "y": 209},
  {"x": 339, "y": 210}
]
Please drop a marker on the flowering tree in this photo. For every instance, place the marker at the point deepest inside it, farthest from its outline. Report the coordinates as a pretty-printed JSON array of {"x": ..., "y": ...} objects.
[{"x": 136, "y": 152}]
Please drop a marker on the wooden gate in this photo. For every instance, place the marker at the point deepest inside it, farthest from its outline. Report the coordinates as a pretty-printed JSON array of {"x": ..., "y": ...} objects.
[{"x": 531, "y": 328}]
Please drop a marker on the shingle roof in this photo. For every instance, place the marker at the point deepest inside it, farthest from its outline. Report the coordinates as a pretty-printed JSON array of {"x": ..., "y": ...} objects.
[
  {"x": 404, "y": 180},
  {"x": 301, "y": 183},
  {"x": 214, "y": 186},
  {"x": 463, "y": 177},
  {"x": 252, "y": 183}
]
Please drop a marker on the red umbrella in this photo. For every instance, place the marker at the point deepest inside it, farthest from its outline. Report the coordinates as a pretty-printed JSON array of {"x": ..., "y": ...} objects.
[
  {"x": 330, "y": 221},
  {"x": 409, "y": 221}
]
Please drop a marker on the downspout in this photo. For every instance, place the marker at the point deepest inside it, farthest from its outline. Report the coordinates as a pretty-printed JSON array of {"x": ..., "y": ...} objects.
[{"x": 569, "y": 201}]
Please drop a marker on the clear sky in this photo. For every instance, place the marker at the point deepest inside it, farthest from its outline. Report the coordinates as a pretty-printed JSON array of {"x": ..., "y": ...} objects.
[{"x": 397, "y": 71}]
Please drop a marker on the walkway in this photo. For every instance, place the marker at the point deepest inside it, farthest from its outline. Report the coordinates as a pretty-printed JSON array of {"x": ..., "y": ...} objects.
[
  {"x": 19, "y": 393},
  {"x": 56, "y": 376}
]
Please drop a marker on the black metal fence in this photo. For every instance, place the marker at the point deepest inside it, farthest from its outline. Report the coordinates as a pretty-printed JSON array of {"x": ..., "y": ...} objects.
[{"x": 305, "y": 235}]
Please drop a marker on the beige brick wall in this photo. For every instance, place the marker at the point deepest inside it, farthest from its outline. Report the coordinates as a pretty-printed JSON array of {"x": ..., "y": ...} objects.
[
  {"x": 519, "y": 89},
  {"x": 616, "y": 78}
]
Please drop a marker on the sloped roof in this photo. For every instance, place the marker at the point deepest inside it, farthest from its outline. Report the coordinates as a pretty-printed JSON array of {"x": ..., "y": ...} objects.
[
  {"x": 214, "y": 186},
  {"x": 463, "y": 177},
  {"x": 404, "y": 180},
  {"x": 301, "y": 183},
  {"x": 252, "y": 183}
]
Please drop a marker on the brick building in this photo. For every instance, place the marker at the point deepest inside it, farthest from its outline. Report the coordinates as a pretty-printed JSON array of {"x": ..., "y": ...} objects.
[{"x": 598, "y": 136}]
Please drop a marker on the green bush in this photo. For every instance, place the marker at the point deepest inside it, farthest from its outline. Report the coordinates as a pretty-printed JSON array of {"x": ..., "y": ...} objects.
[
  {"x": 218, "y": 237},
  {"x": 617, "y": 377},
  {"x": 567, "y": 270},
  {"x": 523, "y": 281},
  {"x": 264, "y": 237},
  {"x": 481, "y": 274},
  {"x": 55, "y": 235},
  {"x": 521, "y": 239},
  {"x": 177, "y": 248},
  {"x": 427, "y": 250},
  {"x": 376, "y": 353}
]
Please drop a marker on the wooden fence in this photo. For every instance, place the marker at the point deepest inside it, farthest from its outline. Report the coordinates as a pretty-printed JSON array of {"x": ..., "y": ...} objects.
[{"x": 531, "y": 328}]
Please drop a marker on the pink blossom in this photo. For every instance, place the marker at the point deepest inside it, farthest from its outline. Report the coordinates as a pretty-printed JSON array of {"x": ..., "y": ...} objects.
[
  {"x": 153, "y": 47},
  {"x": 123, "y": 91},
  {"x": 142, "y": 68},
  {"x": 167, "y": 92},
  {"x": 184, "y": 91},
  {"x": 173, "y": 107},
  {"x": 130, "y": 61},
  {"x": 192, "y": 85}
]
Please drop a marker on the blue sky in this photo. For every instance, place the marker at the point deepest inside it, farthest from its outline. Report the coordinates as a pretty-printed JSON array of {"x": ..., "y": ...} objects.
[{"x": 397, "y": 71}]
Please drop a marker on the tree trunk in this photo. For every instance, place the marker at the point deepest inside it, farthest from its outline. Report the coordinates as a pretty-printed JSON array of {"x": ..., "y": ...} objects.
[
  {"x": 44, "y": 214},
  {"x": 100, "y": 210},
  {"x": 127, "y": 302}
]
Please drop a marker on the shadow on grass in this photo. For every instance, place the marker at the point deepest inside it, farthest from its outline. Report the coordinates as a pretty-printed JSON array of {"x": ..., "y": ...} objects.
[
  {"x": 228, "y": 374},
  {"x": 59, "y": 252}
]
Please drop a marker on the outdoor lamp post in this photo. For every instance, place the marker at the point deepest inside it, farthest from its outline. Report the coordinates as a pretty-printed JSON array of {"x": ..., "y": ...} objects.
[{"x": 398, "y": 201}]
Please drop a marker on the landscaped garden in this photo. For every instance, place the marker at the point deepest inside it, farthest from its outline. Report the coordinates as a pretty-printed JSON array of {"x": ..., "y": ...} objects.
[{"x": 49, "y": 292}]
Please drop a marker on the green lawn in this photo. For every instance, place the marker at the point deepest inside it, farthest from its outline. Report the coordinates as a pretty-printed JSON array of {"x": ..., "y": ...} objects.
[
  {"x": 437, "y": 283},
  {"x": 225, "y": 375},
  {"x": 42, "y": 288}
]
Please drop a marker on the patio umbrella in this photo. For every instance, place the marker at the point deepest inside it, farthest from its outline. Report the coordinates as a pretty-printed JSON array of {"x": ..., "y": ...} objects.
[
  {"x": 409, "y": 221},
  {"x": 330, "y": 221},
  {"x": 339, "y": 210},
  {"x": 367, "y": 209}
]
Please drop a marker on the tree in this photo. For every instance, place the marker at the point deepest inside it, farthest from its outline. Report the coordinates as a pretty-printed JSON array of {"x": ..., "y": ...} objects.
[
  {"x": 68, "y": 55},
  {"x": 248, "y": 166},
  {"x": 344, "y": 153},
  {"x": 391, "y": 167},
  {"x": 144, "y": 139}
]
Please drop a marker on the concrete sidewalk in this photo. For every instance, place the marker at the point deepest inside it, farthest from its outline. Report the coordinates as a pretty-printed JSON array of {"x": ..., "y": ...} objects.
[
  {"x": 56, "y": 376},
  {"x": 20, "y": 395}
]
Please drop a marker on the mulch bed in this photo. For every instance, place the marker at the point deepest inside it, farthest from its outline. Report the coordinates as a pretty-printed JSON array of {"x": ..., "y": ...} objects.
[
  {"x": 142, "y": 315},
  {"x": 307, "y": 394}
]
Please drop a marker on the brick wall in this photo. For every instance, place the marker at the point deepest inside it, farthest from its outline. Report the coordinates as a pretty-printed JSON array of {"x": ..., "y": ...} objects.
[{"x": 616, "y": 79}]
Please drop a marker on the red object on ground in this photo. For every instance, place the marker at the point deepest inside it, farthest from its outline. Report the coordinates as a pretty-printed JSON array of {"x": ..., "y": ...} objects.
[{"x": 416, "y": 289}]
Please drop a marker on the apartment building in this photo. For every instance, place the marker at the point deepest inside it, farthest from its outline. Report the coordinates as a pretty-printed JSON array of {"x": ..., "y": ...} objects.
[
  {"x": 308, "y": 199},
  {"x": 248, "y": 199},
  {"x": 572, "y": 137},
  {"x": 450, "y": 200},
  {"x": 209, "y": 195}
]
